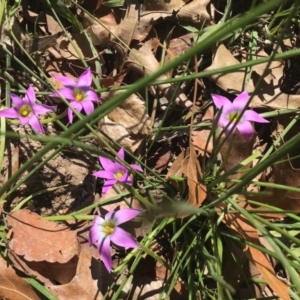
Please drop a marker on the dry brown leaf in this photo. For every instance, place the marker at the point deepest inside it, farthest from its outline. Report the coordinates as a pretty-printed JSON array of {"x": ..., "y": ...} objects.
[
  {"x": 201, "y": 135},
  {"x": 242, "y": 226},
  {"x": 81, "y": 43},
  {"x": 41, "y": 240},
  {"x": 191, "y": 168},
  {"x": 269, "y": 93},
  {"x": 128, "y": 123},
  {"x": 142, "y": 60},
  {"x": 131, "y": 114},
  {"x": 194, "y": 12},
  {"x": 162, "y": 5},
  {"x": 115, "y": 132},
  {"x": 13, "y": 286},
  {"x": 176, "y": 170},
  {"x": 90, "y": 282},
  {"x": 45, "y": 272}
]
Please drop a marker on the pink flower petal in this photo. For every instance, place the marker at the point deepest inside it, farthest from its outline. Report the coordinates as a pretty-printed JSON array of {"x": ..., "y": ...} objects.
[
  {"x": 220, "y": 101},
  {"x": 76, "y": 105},
  {"x": 93, "y": 235},
  {"x": 241, "y": 101},
  {"x": 125, "y": 178},
  {"x": 10, "y": 113},
  {"x": 41, "y": 108},
  {"x": 30, "y": 96},
  {"x": 66, "y": 93},
  {"x": 92, "y": 96},
  {"x": 137, "y": 167},
  {"x": 251, "y": 115},
  {"x": 108, "y": 184},
  {"x": 35, "y": 123},
  {"x": 70, "y": 115},
  {"x": 88, "y": 106},
  {"x": 104, "y": 250},
  {"x": 66, "y": 81},
  {"x": 85, "y": 79},
  {"x": 16, "y": 100},
  {"x": 104, "y": 174},
  {"x": 122, "y": 238},
  {"x": 121, "y": 154},
  {"x": 23, "y": 121},
  {"x": 125, "y": 215},
  {"x": 246, "y": 130},
  {"x": 107, "y": 164}
]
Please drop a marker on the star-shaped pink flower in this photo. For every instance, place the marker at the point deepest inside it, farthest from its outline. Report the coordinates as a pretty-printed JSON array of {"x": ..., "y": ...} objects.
[
  {"x": 104, "y": 231},
  {"x": 26, "y": 110},
  {"x": 231, "y": 114},
  {"x": 114, "y": 172},
  {"x": 79, "y": 93}
]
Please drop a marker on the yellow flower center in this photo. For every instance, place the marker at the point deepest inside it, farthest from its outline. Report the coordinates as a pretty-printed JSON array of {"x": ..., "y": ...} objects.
[
  {"x": 79, "y": 95},
  {"x": 25, "y": 111},
  {"x": 119, "y": 174},
  {"x": 109, "y": 227},
  {"x": 234, "y": 117}
]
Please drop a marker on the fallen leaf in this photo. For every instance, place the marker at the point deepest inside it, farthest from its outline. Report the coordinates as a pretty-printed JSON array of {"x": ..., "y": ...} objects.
[
  {"x": 269, "y": 94},
  {"x": 243, "y": 227},
  {"x": 142, "y": 60},
  {"x": 131, "y": 114},
  {"x": 40, "y": 240},
  {"x": 200, "y": 136},
  {"x": 13, "y": 286},
  {"x": 90, "y": 282},
  {"x": 191, "y": 168}
]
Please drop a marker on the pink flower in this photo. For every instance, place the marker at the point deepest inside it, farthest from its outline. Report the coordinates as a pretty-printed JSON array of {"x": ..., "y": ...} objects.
[
  {"x": 104, "y": 231},
  {"x": 114, "y": 171},
  {"x": 26, "y": 110},
  {"x": 78, "y": 93},
  {"x": 231, "y": 114}
]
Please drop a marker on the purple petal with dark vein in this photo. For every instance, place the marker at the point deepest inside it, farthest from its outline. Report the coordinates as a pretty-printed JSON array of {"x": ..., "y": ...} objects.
[
  {"x": 104, "y": 250},
  {"x": 122, "y": 238}
]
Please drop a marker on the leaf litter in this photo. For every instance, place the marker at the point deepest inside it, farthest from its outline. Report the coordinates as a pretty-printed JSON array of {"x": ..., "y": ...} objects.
[{"x": 129, "y": 43}]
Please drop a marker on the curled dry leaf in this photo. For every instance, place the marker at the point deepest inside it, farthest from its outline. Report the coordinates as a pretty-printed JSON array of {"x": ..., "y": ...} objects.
[
  {"x": 191, "y": 168},
  {"x": 40, "y": 240},
  {"x": 90, "y": 282},
  {"x": 13, "y": 286},
  {"x": 269, "y": 93},
  {"x": 142, "y": 60}
]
